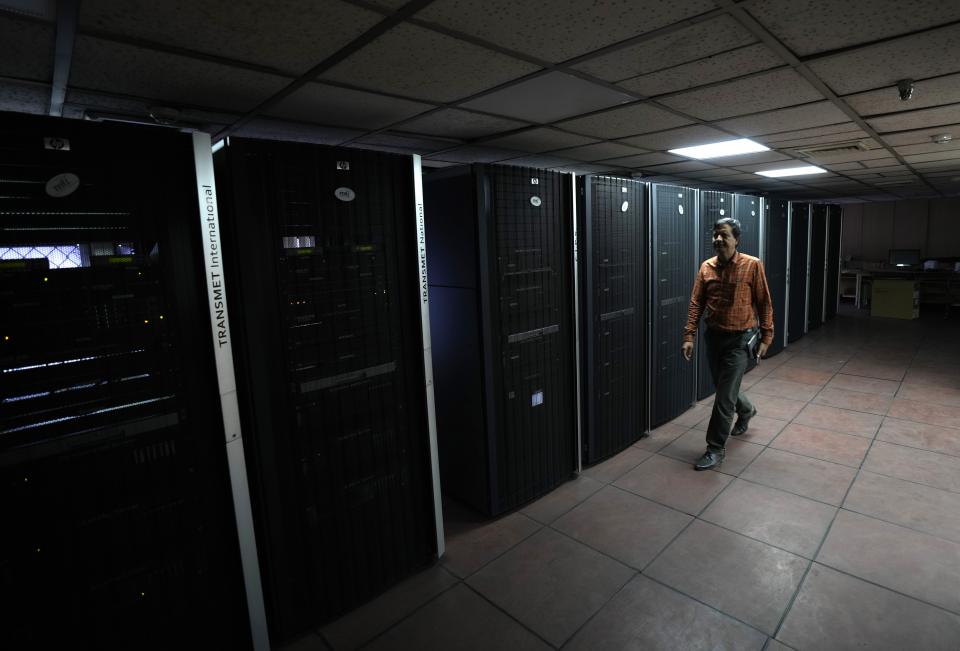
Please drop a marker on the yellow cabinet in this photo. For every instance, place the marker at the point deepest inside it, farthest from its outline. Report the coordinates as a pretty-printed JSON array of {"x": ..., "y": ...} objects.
[{"x": 894, "y": 298}]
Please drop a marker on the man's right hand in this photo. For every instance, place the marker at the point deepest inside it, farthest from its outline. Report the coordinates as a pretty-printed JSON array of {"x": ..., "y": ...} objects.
[{"x": 687, "y": 350}]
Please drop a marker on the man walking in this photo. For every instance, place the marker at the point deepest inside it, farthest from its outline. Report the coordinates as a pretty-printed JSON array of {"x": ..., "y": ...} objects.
[{"x": 732, "y": 287}]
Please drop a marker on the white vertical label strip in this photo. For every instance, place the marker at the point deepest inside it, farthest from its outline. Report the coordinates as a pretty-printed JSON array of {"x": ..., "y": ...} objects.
[
  {"x": 226, "y": 380},
  {"x": 576, "y": 324},
  {"x": 427, "y": 349}
]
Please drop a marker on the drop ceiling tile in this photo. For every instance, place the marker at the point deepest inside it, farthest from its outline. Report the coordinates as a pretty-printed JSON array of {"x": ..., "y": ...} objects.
[
  {"x": 542, "y": 162},
  {"x": 949, "y": 164},
  {"x": 921, "y": 119},
  {"x": 913, "y": 57},
  {"x": 949, "y": 154},
  {"x": 763, "y": 92},
  {"x": 475, "y": 154},
  {"x": 797, "y": 117},
  {"x": 548, "y": 98},
  {"x": 106, "y": 66},
  {"x": 583, "y": 168},
  {"x": 292, "y": 39},
  {"x": 270, "y": 129},
  {"x": 817, "y": 141},
  {"x": 454, "y": 123},
  {"x": 727, "y": 65},
  {"x": 748, "y": 159},
  {"x": 405, "y": 143},
  {"x": 716, "y": 173},
  {"x": 920, "y": 136},
  {"x": 26, "y": 49},
  {"x": 774, "y": 165},
  {"x": 927, "y": 147},
  {"x": 24, "y": 98},
  {"x": 808, "y": 26},
  {"x": 842, "y": 167},
  {"x": 676, "y": 138},
  {"x": 561, "y": 29},
  {"x": 396, "y": 62},
  {"x": 645, "y": 159},
  {"x": 540, "y": 139},
  {"x": 685, "y": 44},
  {"x": 625, "y": 121},
  {"x": 883, "y": 162},
  {"x": 683, "y": 166},
  {"x": 343, "y": 107},
  {"x": 928, "y": 92},
  {"x": 599, "y": 151},
  {"x": 799, "y": 134},
  {"x": 820, "y": 158}
]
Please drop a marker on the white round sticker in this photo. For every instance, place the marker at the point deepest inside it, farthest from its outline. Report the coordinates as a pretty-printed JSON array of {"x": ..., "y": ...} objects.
[
  {"x": 680, "y": 208},
  {"x": 345, "y": 194},
  {"x": 624, "y": 206},
  {"x": 535, "y": 201},
  {"x": 680, "y": 195},
  {"x": 63, "y": 185},
  {"x": 722, "y": 211},
  {"x": 753, "y": 212}
]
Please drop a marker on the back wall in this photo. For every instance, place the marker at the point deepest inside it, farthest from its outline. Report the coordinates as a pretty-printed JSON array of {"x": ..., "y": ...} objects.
[{"x": 870, "y": 230}]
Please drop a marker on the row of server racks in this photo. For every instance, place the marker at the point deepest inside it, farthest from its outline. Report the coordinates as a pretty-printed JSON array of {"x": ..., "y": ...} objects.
[{"x": 171, "y": 472}]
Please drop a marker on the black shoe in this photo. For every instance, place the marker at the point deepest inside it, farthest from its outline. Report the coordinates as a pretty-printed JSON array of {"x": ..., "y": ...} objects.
[
  {"x": 743, "y": 422},
  {"x": 710, "y": 459}
]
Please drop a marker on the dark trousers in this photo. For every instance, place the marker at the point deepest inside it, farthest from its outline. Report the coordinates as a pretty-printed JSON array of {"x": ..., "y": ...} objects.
[{"x": 728, "y": 362}]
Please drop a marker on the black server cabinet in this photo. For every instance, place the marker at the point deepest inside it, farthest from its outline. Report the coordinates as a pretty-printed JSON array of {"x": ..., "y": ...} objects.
[
  {"x": 329, "y": 358},
  {"x": 713, "y": 206},
  {"x": 673, "y": 226},
  {"x": 818, "y": 261},
  {"x": 118, "y": 522},
  {"x": 500, "y": 249},
  {"x": 775, "y": 264},
  {"x": 799, "y": 264},
  {"x": 612, "y": 241},
  {"x": 747, "y": 211},
  {"x": 834, "y": 233}
]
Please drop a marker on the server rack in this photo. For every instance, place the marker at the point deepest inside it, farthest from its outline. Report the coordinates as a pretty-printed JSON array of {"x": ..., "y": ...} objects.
[
  {"x": 834, "y": 232},
  {"x": 776, "y": 250},
  {"x": 612, "y": 233},
  {"x": 500, "y": 243},
  {"x": 119, "y": 529},
  {"x": 818, "y": 263},
  {"x": 798, "y": 270},
  {"x": 323, "y": 255},
  {"x": 673, "y": 237},
  {"x": 713, "y": 206},
  {"x": 747, "y": 209}
]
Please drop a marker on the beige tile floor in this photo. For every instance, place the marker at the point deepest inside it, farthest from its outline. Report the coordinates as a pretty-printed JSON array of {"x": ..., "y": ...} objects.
[{"x": 833, "y": 524}]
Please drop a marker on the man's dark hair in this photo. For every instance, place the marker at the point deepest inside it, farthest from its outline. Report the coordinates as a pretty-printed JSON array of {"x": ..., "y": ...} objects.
[{"x": 733, "y": 223}]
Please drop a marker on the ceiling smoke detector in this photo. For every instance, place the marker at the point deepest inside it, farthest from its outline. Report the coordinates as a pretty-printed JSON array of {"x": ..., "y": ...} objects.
[{"x": 941, "y": 138}]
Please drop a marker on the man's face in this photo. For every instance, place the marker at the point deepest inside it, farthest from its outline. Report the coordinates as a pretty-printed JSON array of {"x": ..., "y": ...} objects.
[{"x": 724, "y": 243}]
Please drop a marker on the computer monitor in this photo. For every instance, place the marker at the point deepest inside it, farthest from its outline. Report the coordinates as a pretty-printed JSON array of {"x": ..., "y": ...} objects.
[{"x": 905, "y": 257}]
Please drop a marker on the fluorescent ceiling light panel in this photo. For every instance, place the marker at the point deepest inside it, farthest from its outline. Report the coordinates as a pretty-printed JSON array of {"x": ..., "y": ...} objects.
[
  {"x": 793, "y": 171},
  {"x": 718, "y": 149}
]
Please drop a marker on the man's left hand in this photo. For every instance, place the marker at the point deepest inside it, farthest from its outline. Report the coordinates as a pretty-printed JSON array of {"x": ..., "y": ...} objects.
[{"x": 762, "y": 349}]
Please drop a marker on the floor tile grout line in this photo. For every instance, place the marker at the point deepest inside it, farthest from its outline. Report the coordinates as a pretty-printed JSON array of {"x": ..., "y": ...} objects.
[
  {"x": 416, "y": 610},
  {"x": 823, "y": 540},
  {"x": 704, "y": 603},
  {"x": 540, "y": 526},
  {"x": 899, "y": 524},
  {"x": 914, "y": 447},
  {"x": 955, "y": 613},
  {"x": 502, "y": 610}
]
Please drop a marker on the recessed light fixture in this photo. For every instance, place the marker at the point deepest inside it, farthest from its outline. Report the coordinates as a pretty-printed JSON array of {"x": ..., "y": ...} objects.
[
  {"x": 941, "y": 138},
  {"x": 793, "y": 171},
  {"x": 718, "y": 149}
]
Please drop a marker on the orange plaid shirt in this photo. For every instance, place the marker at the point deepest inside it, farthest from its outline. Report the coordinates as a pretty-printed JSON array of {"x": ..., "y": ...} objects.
[{"x": 729, "y": 293}]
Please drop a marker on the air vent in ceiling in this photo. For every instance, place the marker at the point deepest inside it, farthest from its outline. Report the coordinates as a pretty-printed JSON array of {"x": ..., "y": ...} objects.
[{"x": 824, "y": 153}]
